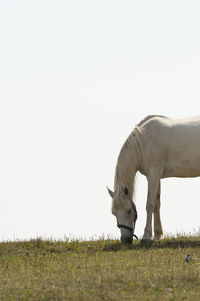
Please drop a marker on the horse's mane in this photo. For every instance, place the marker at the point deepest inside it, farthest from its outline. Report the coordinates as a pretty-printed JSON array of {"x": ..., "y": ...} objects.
[
  {"x": 129, "y": 158},
  {"x": 126, "y": 163}
]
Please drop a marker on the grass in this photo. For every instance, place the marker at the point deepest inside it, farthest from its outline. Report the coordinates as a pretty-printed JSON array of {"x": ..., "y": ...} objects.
[{"x": 100, "y": 270}]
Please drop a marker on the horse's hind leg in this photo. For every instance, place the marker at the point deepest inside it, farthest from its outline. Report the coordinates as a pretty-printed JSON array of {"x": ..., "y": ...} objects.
[{"x": 157, "y": 222}]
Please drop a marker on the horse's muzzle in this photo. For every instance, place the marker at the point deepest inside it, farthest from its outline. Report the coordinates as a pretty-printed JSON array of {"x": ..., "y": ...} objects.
[{"x": 127, "y": 239}]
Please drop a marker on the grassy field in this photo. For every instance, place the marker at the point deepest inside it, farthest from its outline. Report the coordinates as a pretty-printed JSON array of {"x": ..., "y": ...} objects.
[{"x": 100, "y": 270}]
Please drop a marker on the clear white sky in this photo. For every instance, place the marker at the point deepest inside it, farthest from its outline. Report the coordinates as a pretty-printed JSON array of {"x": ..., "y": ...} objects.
[{"x": 75, "y": 78}]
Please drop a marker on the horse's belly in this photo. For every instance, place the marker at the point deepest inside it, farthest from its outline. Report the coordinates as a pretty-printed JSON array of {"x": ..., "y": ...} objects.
[
  {"x": 183, "y": 161},
  {"x": 181, "y": 171}
]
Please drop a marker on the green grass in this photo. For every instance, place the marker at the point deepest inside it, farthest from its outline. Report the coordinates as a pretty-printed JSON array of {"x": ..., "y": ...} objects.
[{"x": 100, "y": 270}]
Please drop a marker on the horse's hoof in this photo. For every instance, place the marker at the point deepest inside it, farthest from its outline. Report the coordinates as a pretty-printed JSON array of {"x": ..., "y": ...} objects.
[{"x": 157, "y": 237}]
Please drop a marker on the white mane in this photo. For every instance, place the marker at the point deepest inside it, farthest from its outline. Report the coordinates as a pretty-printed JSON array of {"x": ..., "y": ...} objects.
[
  {"x": 126, "y": 163},
  {"x": 129, "y": 158}
]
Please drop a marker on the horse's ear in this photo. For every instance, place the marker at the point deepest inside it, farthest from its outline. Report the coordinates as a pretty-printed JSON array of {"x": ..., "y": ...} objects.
[{"x": 111, "y": 193}]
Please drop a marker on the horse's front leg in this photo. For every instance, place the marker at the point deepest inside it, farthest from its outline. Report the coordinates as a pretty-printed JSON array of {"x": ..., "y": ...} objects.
[
  {"x": 158, "y": 232},
  {"x": 153, "y": 185}
]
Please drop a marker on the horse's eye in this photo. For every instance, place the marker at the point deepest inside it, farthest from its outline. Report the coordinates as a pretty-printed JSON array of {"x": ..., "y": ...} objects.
[{"x": 129, "y": 211}]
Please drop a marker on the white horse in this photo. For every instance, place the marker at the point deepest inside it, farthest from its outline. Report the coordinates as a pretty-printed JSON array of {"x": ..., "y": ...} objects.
[{"x": 158, "y": 147}]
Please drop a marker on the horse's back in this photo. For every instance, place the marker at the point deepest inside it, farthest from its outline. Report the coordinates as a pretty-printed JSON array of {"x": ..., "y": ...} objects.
[
  {"x": 156, "y": 123},
  {"x": 173, "y": 143}
]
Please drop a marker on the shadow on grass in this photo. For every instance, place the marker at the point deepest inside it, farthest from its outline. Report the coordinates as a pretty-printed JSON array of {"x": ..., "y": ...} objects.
[
  {"x": 173, "y": 243},
  {"x": 52, "y": 248}
]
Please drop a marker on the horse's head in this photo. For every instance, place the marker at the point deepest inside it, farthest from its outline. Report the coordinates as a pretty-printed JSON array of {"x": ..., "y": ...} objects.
[{"x": 125, "y": 212}]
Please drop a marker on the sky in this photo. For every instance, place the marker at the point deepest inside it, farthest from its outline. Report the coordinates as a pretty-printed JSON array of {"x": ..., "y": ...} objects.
[{"x": 75, "y": 78}]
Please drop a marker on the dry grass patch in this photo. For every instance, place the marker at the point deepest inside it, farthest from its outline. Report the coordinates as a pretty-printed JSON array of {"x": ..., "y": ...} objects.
[{"x": 100, "y": 270}]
